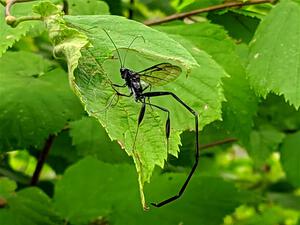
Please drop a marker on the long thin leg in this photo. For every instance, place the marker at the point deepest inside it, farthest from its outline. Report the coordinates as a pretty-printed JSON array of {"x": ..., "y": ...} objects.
[
  {"x": 181, "y": 191},
  {"x": 140, "y": 119},
  {"x": 118, "y": 85},
  {"x": 119, "y": 93},
  {"x": 167, "y": 121},
  {"x": 109, "y": 104},
  {"x": 124, "y": 95},
  {"x": 144, "y": 89}
]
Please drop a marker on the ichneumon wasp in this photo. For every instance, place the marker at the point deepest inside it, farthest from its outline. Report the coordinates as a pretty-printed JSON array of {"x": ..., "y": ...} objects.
[{"x": 157, "y": 74}]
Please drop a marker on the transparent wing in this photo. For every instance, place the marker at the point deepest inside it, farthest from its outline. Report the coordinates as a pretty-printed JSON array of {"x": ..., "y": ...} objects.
[{"x": 160, "y": 74}]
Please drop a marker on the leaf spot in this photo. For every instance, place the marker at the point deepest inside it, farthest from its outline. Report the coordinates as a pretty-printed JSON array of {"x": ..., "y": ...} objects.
[
  {"x": 10, "y": 37},
  {"x": 196, "y": 49}
]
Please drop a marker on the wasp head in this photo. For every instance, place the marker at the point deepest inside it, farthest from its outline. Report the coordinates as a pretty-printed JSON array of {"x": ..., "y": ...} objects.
[{"x": 123, "y": 72}]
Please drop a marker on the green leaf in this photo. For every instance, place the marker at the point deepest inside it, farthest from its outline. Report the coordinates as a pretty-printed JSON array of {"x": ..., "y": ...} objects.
[
  {"x": 67, "y": 41},
  {"x": 263, "y": 142},
  {"x": 270, "y": 215},
  {"x": 178, "y": 5},
  {"x": 239, "y": 27},
  {"x": 92, "y": 7},
  {"x": 90, "y": 82},
  {"x": 90, "y": 138},
  {"x": 277, "y": 112},
  {"x": 200, "y": 90},
  {"x": 6, "y": 187},
  {"x": 47, "y": 9},
  {"x": 109, "y": 192},
  {"x": 36, "y": 101},
  {"x": 197, "y": 4},
  {"x": 240, "y": 106},
  {"x": 275, "y": 53},
  {"x": 115, "y": 6},
  {"x": 63, "y": 153},
  {"x": 29, "y": 207},
  {"x": 9, "y": 35},
  {"x": 290, "y": 158},
  {"x": 286, "y": 200},
  {"x": 158, "y": 5}
]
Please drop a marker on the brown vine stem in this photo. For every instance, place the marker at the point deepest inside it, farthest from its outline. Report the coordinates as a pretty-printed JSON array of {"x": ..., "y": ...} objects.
[
  {"x": 12, "y": 20},
  {"x": 10, "y": 3},
  {"x": 42, "y": 160},
  {"x": 216, "y": 143},
  {"x": 203, "y": 10}
]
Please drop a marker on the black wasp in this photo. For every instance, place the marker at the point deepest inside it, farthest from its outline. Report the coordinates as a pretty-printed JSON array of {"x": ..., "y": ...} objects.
[{"x": 159, "y": 73}]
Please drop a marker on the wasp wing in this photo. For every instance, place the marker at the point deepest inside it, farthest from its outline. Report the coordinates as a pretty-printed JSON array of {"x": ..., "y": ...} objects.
[{"x": 160, "y": 74}]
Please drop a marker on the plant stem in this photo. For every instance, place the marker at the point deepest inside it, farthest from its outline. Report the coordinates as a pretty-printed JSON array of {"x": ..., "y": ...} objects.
[
  {"x": 13, "y": 21},
  {"x": 10, "y": 3},
  {"x": 208, "y": 9},
  {"x": 216, "y": 143},
  {"x": 42, "y": 160},
  {"x": 131, "y": 6},
  {"x": 65, "y": 7}
]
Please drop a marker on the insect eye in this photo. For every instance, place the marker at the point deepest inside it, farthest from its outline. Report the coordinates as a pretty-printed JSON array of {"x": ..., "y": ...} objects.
[{"x": 123, "y": 72}]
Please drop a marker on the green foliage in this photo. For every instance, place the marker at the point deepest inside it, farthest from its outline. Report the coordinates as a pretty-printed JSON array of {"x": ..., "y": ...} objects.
[
  {"x": 9, "y": 35},
  {"x": 290, "y": 158},
  {"x": 99, "y": 193},
  {"x": 265, "y": 214},
  {"x": 239, "y": 26},
  {"x": 94, "y": 7},
  {"x": 263, "y": 142},
  {"x": 241, "y": 102},
  {"x": 58, "y": 104},
  {"x": 115, "y": 6},
  {"x": 91, "y": 139},
  {"x": 29, "y": 206},
  {"x": 198, "y": 4},
  {"x": 98, "y": 98},
  {"x": 7, "y": 186},
  {"x": 277, "y": 112},
  {"x": 273, "y": 60},
  {"x": 36, "y": 100}
]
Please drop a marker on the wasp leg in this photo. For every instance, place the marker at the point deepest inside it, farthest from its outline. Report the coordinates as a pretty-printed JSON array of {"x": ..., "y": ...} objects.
[
  {"x": 118, "y": 85},
  {"x": 124, "y": 95},
  {"x": 140, "y": 119},
  {"x": 145, "y": 88},
  {"x": 119, "y": 93},
  {"x": 195, "y": 114},
  {"x": 168, "y": 121}
]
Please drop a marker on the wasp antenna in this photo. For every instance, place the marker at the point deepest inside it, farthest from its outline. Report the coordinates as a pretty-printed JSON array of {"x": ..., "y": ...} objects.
[
  {"x": 91, "y": 28},
  {"x": 115, "y": 47},
  {"x": 138, "y": 36},
  {"x": 87, "y": 30}
]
